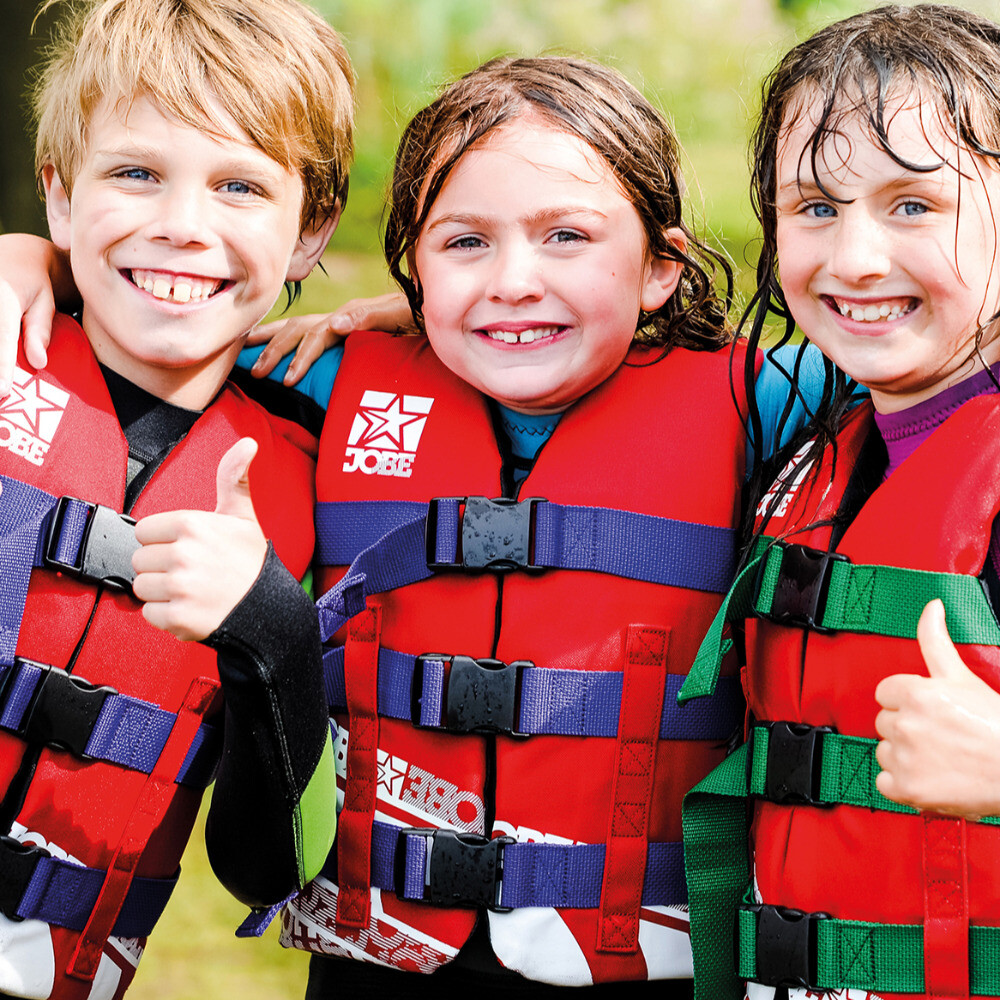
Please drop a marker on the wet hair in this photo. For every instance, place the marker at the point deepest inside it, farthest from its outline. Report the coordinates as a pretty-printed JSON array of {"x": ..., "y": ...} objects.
[
  {"x": 855, "y": 69},
  {"x": 599, "y": 106},
  {"x": 277, "y": 68}
]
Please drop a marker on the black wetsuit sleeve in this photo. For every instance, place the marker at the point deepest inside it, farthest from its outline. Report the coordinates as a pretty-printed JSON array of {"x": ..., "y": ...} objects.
[{"x": 273, "y": 808}]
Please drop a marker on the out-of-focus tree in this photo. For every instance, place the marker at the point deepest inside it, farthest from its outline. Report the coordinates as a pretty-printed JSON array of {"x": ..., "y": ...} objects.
[{"x": 20, "y": 49}]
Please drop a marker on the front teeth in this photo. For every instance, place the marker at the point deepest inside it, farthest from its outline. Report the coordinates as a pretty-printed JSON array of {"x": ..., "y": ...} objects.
[
  {"x": 871, "y": 313},
  {"x": 525, "y": 337},
  {"x": 180, "y": 290}
]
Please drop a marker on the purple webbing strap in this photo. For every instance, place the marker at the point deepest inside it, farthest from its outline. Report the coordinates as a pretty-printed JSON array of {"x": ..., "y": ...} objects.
[
  {"x": 560, "y": 875},
  {"x": 635, "y": 546},
  {"x": 128, "y": 732},
  {"x": 552, "y": 702},
  {"x": 62, "y": 893},
  {"x": 394, "y": 561},
  {"x": 346, "y": 527},
  {"x": 599, "y": 539},
  {"x": 23, "y": 511}
]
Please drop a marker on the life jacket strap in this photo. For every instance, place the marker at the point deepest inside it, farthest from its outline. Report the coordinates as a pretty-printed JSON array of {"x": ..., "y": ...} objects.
[
  {"x": 459, "y": 694},
  {"x": 412, "y": 863},
  {"x": 793, "y": 763},
  {"x": 36, "y": 886},
  {"x": 409, "y": 542},
  {"x": 825, "y": 592},
  {"x": 43, "y": 704},
  {"x": 777, "y": 946},
  {"x": 68, "y": 535}
]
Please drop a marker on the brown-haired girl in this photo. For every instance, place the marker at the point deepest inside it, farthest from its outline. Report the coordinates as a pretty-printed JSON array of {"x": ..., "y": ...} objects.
[{"x": 876, "y": 182}]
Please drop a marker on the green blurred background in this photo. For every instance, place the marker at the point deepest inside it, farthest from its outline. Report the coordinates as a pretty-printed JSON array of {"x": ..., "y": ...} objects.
[{"x": 700, "y": 61}]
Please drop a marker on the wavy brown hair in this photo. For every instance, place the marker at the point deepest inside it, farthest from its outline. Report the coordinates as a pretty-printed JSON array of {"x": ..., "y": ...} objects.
[
  {"x": 602, "y": 108},
  {"x": 948, "y": 58}
]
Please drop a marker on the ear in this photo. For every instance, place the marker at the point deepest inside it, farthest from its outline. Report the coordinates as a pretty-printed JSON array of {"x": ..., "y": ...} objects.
[
  {"x": 311, "y": 243},
  {"x": 57, "y": 207},
  {"x": 663, "y": 274}
]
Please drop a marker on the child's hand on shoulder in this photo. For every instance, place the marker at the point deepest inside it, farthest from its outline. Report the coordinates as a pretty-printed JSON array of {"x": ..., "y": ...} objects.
[
  {"x": 30, "y": 270},
  {"x": 309, "y": 336},
  {"x": 940, "y": 748},
  {"x": 195, "y": 566}
]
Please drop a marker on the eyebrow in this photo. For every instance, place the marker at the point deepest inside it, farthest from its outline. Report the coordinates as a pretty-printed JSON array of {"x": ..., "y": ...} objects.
[
  {"x": 546, "y": 215},
  {"x": 233, "y": 165}
]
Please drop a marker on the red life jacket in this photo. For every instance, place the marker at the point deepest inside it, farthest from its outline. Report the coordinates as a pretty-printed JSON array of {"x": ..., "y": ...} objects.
[
  {"x": 131, "y": 808},
  {"x": 863, "y": 862},
  {"x": 607, "y": 774}
]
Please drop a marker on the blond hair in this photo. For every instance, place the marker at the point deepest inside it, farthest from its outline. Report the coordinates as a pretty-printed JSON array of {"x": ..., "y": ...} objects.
[{"x": 275, "y": 66}]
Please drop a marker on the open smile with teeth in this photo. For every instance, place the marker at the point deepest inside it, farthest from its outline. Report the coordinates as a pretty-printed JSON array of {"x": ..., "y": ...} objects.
[
  {"x": 524, "y": 336},
  {"x": 181, "y": 288},
  {"x": 873, "y": 312}
]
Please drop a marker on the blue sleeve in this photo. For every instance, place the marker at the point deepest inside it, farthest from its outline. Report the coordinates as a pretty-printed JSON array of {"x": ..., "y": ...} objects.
[
  {"x": 774, "y": 387},
  {"x": 317, "y": 383}
]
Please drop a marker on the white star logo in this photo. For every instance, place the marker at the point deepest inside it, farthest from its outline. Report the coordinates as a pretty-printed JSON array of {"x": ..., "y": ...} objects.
[
  {"x": 34, "y": 405},
  {"x": 391, "y": 771}
]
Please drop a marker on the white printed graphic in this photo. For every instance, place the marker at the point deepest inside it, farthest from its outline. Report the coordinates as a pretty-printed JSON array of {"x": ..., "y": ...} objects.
[
  {"x": 408, "y": 795},
  {"x": 386, "y": 431},
  {"x": 30, "y": 415},
  {"x": 792, "y": 474}
]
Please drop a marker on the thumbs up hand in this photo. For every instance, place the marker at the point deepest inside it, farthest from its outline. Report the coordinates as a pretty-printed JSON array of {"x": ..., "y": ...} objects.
[
  {"x": 194, "y": 567},
  {"x": 940, "y": 747}
]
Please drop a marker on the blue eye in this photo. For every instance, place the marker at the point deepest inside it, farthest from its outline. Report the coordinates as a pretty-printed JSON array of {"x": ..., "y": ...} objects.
[
  {"x": 913, "y": 208},
  {"x": 134, "y": 174},
  {"x": 821, "y": 210},
  {"x": 466, "y": 243},
  {"x": 238, "y": 187},
  {"x": 567, "y": 236}
]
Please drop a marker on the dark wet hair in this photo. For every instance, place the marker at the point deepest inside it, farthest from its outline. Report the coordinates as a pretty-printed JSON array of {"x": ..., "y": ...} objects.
[
  {"x": 601, "y": 107},
  {"x": 852, "y": 69}
]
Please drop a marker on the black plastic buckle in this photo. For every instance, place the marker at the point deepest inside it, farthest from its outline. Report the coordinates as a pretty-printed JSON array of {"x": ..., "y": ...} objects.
[
  {"x": 497, "y": 535},
  {"x": 802, "y": 586},
  {"x": 786, "y": 946},
  {"x": 794, "y": 763},
  {"x": 480, "y": 695},
  {"x": 63, "y": 711},
  {"x": 17, "y": 865},
  {"x": 106, "y": 548},
  {"x": 462, "y": 869}
]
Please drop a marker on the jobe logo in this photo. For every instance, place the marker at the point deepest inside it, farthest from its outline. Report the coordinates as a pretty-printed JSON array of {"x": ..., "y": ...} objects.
[
  {"x": 385, "y": 433},
  {"x": 414, "y": 789},
  {"x": 30, "y": 415}
]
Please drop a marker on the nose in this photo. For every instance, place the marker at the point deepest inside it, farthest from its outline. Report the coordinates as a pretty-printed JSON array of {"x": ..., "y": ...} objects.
[
  {"x": 181, "y": 216},
  {"x": 515, "y": 274},
  {"x": 860, "y": 249}
]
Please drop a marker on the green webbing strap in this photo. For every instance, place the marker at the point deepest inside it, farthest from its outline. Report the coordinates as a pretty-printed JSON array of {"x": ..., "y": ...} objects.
[
  {"x": 887, "y": 600},
  {"x": 737, "y": 605},
  {"x": 718, "y": 872},
  {"x": 847, "y": 772},
  {"x": 878, "y": 600},
  {"x": 882, "y": 958}
]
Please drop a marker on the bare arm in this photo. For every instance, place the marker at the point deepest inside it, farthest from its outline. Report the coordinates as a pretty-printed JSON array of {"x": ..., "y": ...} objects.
[
  {"x": 309, "y": 336},
  {"x": 34, "y": 276}
]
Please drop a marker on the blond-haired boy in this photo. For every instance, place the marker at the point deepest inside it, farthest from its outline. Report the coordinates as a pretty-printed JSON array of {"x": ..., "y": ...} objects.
[{"x": 194, "y": 157}]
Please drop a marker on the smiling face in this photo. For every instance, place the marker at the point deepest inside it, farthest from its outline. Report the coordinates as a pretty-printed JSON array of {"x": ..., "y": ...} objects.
[
  {"x": 179, "y": 241},
  {"x": 893, "y": 275},
  {"x": 534, "y": 268}
]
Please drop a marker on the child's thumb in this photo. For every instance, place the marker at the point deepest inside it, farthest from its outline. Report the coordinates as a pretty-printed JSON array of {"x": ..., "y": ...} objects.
[
  {"x": 232, "y": 481},
  {"x": 938, "y": 650}
]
